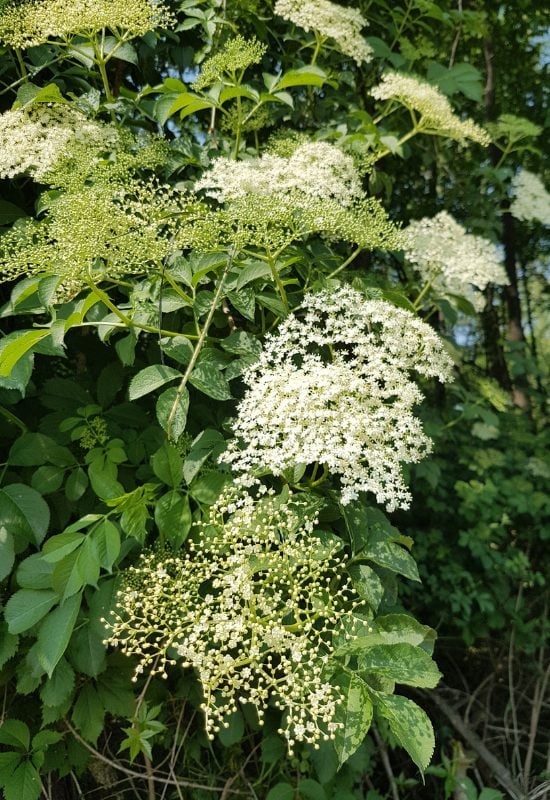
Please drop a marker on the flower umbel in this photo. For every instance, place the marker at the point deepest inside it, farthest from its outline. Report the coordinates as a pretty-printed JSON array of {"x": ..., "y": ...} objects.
[
  {"x": 332, "y": 387},
  {"x": 35, "y": 22},
  {"x": 105, "y": 230},
  {"x": 251, "y": 608},
  {"x": 436, "y": 114},
  {"x": 317, "y": 169},
  {"x": 274, "y": 200},
  {"x": 236, "y": 55},
  {"x": 37, "y": 141},
  {"x": 531, "y": 199},
  {"x": 332, "y": 21},
  {"x": 452, "y": 261}
]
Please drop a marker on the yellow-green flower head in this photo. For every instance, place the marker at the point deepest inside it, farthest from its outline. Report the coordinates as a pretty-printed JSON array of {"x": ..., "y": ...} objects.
[
  {"x": 35, "y": 22},
  {"x": 331, "y": 21},
  {"x": 436, "y": 114},
  {"x": 252, "y": 608},
  {"x": 97, "y": 232},
  {"x": 237, "y": 54}
]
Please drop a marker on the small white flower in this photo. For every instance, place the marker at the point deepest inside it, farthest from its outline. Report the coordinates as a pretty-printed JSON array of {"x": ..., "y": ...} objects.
[
  {"x": 453, "y": 261},
  {"x": 531, "y": 199},
  {"x": 352, "y": 413},
  {"x": 437, "y": 115},
  {"x": 332, "y": 21},
  {"x": 316, "y": 169},
  {"x": 34, "y": 142}
]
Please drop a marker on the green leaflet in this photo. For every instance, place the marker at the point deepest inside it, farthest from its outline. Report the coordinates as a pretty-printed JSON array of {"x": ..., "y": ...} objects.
[
  {"x": 281, "y": 791},
  {"x": 23, "y": 783},
  {"x": 355, "y": 714},
  {"x": 59, "y": 685},
  {"x": 392, "y": 557},
  {"x": 8, "y": 643},
  {"x": 17, "y": 346},
  {"x": 388, "y": 629},
  {"x": 15, "y": 733},
  {"x": 410, "y": 725},
  {"x": 88, "y": 713},
  {"x": 367, "y": 584},
  {"x": 172, "y": 407},
  {"x": 27, "y": 607},
  {"x": 7, "y": 552},
  {"x": 208, "y": 442},
  {"x": 168, "y": 465},
  {"x": 34, "y": 573},
  {"x": 209, "y": 380},
  {"x": 24, "y": 513},
  {"x": 402, "y": 663},
  {"x": 303, "y": 76},
  {"x": 151, "y": 378},
  {"x": 173, "y": 517},
  {"x": 55, "y": 632}
]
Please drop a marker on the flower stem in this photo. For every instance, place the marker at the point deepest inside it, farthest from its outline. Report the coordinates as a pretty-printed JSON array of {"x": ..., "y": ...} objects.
[
  {"x": 422, "y": 294},
  {"x": 22, "y": 67},
  {"x": 128, "y": 322},
  {"x": 13, "y": 419},
  {"x": 346, "y": 263},
  {"x": 319, "y": 41},
  {"x": 200, "y": 344},
  {"x": 278, "y": 281}
]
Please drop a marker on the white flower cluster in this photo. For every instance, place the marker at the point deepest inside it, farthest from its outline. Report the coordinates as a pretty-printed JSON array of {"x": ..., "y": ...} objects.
[
  {"x": 333, "y": 387},
  {"x": 36, "y": 141},
  {"x": 437, "y": 115},
  {"x": 453, "y": 261},
  {"x": 35, "y": 22},
  {"x": 531, "y": 199},
  {"x": 332, "y": 21},
  {"x": 317, "y": 169},
  {"x": 252, "y": 608}
]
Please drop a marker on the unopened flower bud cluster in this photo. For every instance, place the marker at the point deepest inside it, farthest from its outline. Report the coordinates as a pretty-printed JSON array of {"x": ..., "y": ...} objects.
[
  {"x": 436, "y": 113},
  {"x": 332, "y": 21},
  {"x": 99, "y": 231},
  {"x": 236, "y": 55},
  {"x": 35, "y": 22},
  {"x": 251, "y": 608},
  {"x": 531, "y": 199},
  {"x": 453, "y": 261},
  {"x": 333, "y": 387},
  {"x": 36, "y": 141}
]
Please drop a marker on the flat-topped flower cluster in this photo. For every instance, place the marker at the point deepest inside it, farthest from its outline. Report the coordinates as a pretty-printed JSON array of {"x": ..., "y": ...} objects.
[
  {"x": 317, "y": 169},
  {"x": 36, "y": 141},
  {"x": 331, "y": 21},
  {"x": 36, "y": 22},
  {"x": 436, "y": 113},
  {"x": 104, "y": 230},
  {"x": 276, "y": 199},
  {"x": 531, "y": 199},
  {"x": 251, "y": 607},
  {"x": 453, "y": 261},
  {"x": 333, "y": 387},
  {"x": 237, "y": 54}
]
